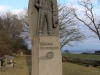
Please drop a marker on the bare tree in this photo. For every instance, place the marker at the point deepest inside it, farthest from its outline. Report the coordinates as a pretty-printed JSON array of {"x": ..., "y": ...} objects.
[
  {"x": 89, "y": 18},
  {"x": 11, "y": 29},
  {"x": 24, "y": 18},
  {"x": 69, "y": 30},
  {"x": 68, "y": 25}
]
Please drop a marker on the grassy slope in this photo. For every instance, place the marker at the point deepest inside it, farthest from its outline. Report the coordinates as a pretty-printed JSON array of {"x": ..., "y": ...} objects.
[
  {"x": 85, "y": 56},
  {"x": 75, "y": 69},
  {"x": 23, "y": 67}
]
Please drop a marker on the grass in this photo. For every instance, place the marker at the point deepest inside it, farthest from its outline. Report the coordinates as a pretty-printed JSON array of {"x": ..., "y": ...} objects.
[
  {"x": 75, "y": 69},
  {"x": 85, "y": 56},
  {"x": 22, "y": 66}
]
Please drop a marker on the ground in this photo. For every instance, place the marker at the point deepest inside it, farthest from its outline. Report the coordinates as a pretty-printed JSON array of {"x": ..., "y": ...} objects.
[{"x": 22, "y": 66}]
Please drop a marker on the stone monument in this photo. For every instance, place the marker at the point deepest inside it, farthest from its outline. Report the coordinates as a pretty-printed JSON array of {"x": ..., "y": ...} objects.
[
  {"x": 44, "y": 32},
  {"x": 0, "y": 64},
  {"x": 21, "y": 53}
]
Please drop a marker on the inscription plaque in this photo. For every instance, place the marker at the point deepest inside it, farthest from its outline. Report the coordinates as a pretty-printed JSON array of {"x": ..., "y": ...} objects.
[{"x": 48, "y": 46}]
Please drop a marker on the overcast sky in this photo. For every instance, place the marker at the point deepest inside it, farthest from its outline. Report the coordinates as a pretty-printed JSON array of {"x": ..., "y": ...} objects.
[{"x": 17, "y": 6}]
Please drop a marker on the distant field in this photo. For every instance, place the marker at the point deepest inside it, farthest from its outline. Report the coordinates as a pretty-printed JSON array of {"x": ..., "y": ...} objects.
[{"x": 84, "y": 56}]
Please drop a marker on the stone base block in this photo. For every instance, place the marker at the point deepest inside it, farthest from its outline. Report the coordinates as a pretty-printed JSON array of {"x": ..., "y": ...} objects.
[
  {"x": 9, "y": 65},
  {"x": 46, "y": 56}
]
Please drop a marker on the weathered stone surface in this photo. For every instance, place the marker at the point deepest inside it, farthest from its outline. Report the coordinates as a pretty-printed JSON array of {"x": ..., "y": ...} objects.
[
  {"x": 48, "y": 16},
  {"x": 8, "y": 61},
  {"x": 0, "y": 63},
  {"x": 9, "y": 65},
  {"x": 50, "y": 56},
  {"x": 35, "y": 20},
  {"x": 9, "y": 57},
  {"x": 46, "y": 56}
]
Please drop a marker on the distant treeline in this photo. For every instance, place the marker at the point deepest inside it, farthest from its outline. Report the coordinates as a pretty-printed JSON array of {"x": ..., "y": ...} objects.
[
  {"x": 95, "y": 52},
  {"x": 81, "y": 61}
]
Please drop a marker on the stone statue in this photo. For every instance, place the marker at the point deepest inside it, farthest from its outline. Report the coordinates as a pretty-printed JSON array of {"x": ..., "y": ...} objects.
[
  {"x": 47, "y": 11},
  {"x": 44, "y": 33}
]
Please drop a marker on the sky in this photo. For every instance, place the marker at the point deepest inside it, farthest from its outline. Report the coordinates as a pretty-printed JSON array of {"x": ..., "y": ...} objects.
[{"x": 16, "y": 6}]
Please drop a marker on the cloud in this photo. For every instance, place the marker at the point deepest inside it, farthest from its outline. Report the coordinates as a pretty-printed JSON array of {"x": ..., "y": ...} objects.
[
  {"x": 91, "y": 44},
  {"x": 17, "y": 11},
  {"x": 4, "y": 9}
]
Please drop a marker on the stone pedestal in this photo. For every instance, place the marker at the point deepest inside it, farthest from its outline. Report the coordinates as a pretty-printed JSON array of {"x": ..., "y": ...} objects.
[
  {"x": 46, "y": 56},
  {"x": 0, "y": 63},
  {"x": 9, "y": 65}
]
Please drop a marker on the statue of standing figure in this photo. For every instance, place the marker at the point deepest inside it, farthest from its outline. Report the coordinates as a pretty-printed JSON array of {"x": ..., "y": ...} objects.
[{"x": 47, "y": 12}]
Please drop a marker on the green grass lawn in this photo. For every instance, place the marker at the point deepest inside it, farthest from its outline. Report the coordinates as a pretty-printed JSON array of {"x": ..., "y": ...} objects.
[
  {"x": 84, "y": 56},
  {"x": 75, "y": 69},
  {"x": 22, "y": 66}
]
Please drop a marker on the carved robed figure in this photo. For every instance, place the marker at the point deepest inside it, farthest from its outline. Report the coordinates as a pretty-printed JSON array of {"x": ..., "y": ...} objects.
[{"x": 45, "y": 13}]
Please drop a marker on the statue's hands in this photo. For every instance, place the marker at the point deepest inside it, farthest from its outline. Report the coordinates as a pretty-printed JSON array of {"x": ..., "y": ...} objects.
[
  {"x": 37, "y": 5},
  {"x": 54, "y": 13},
  {"x": 40, "y": 6}
]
